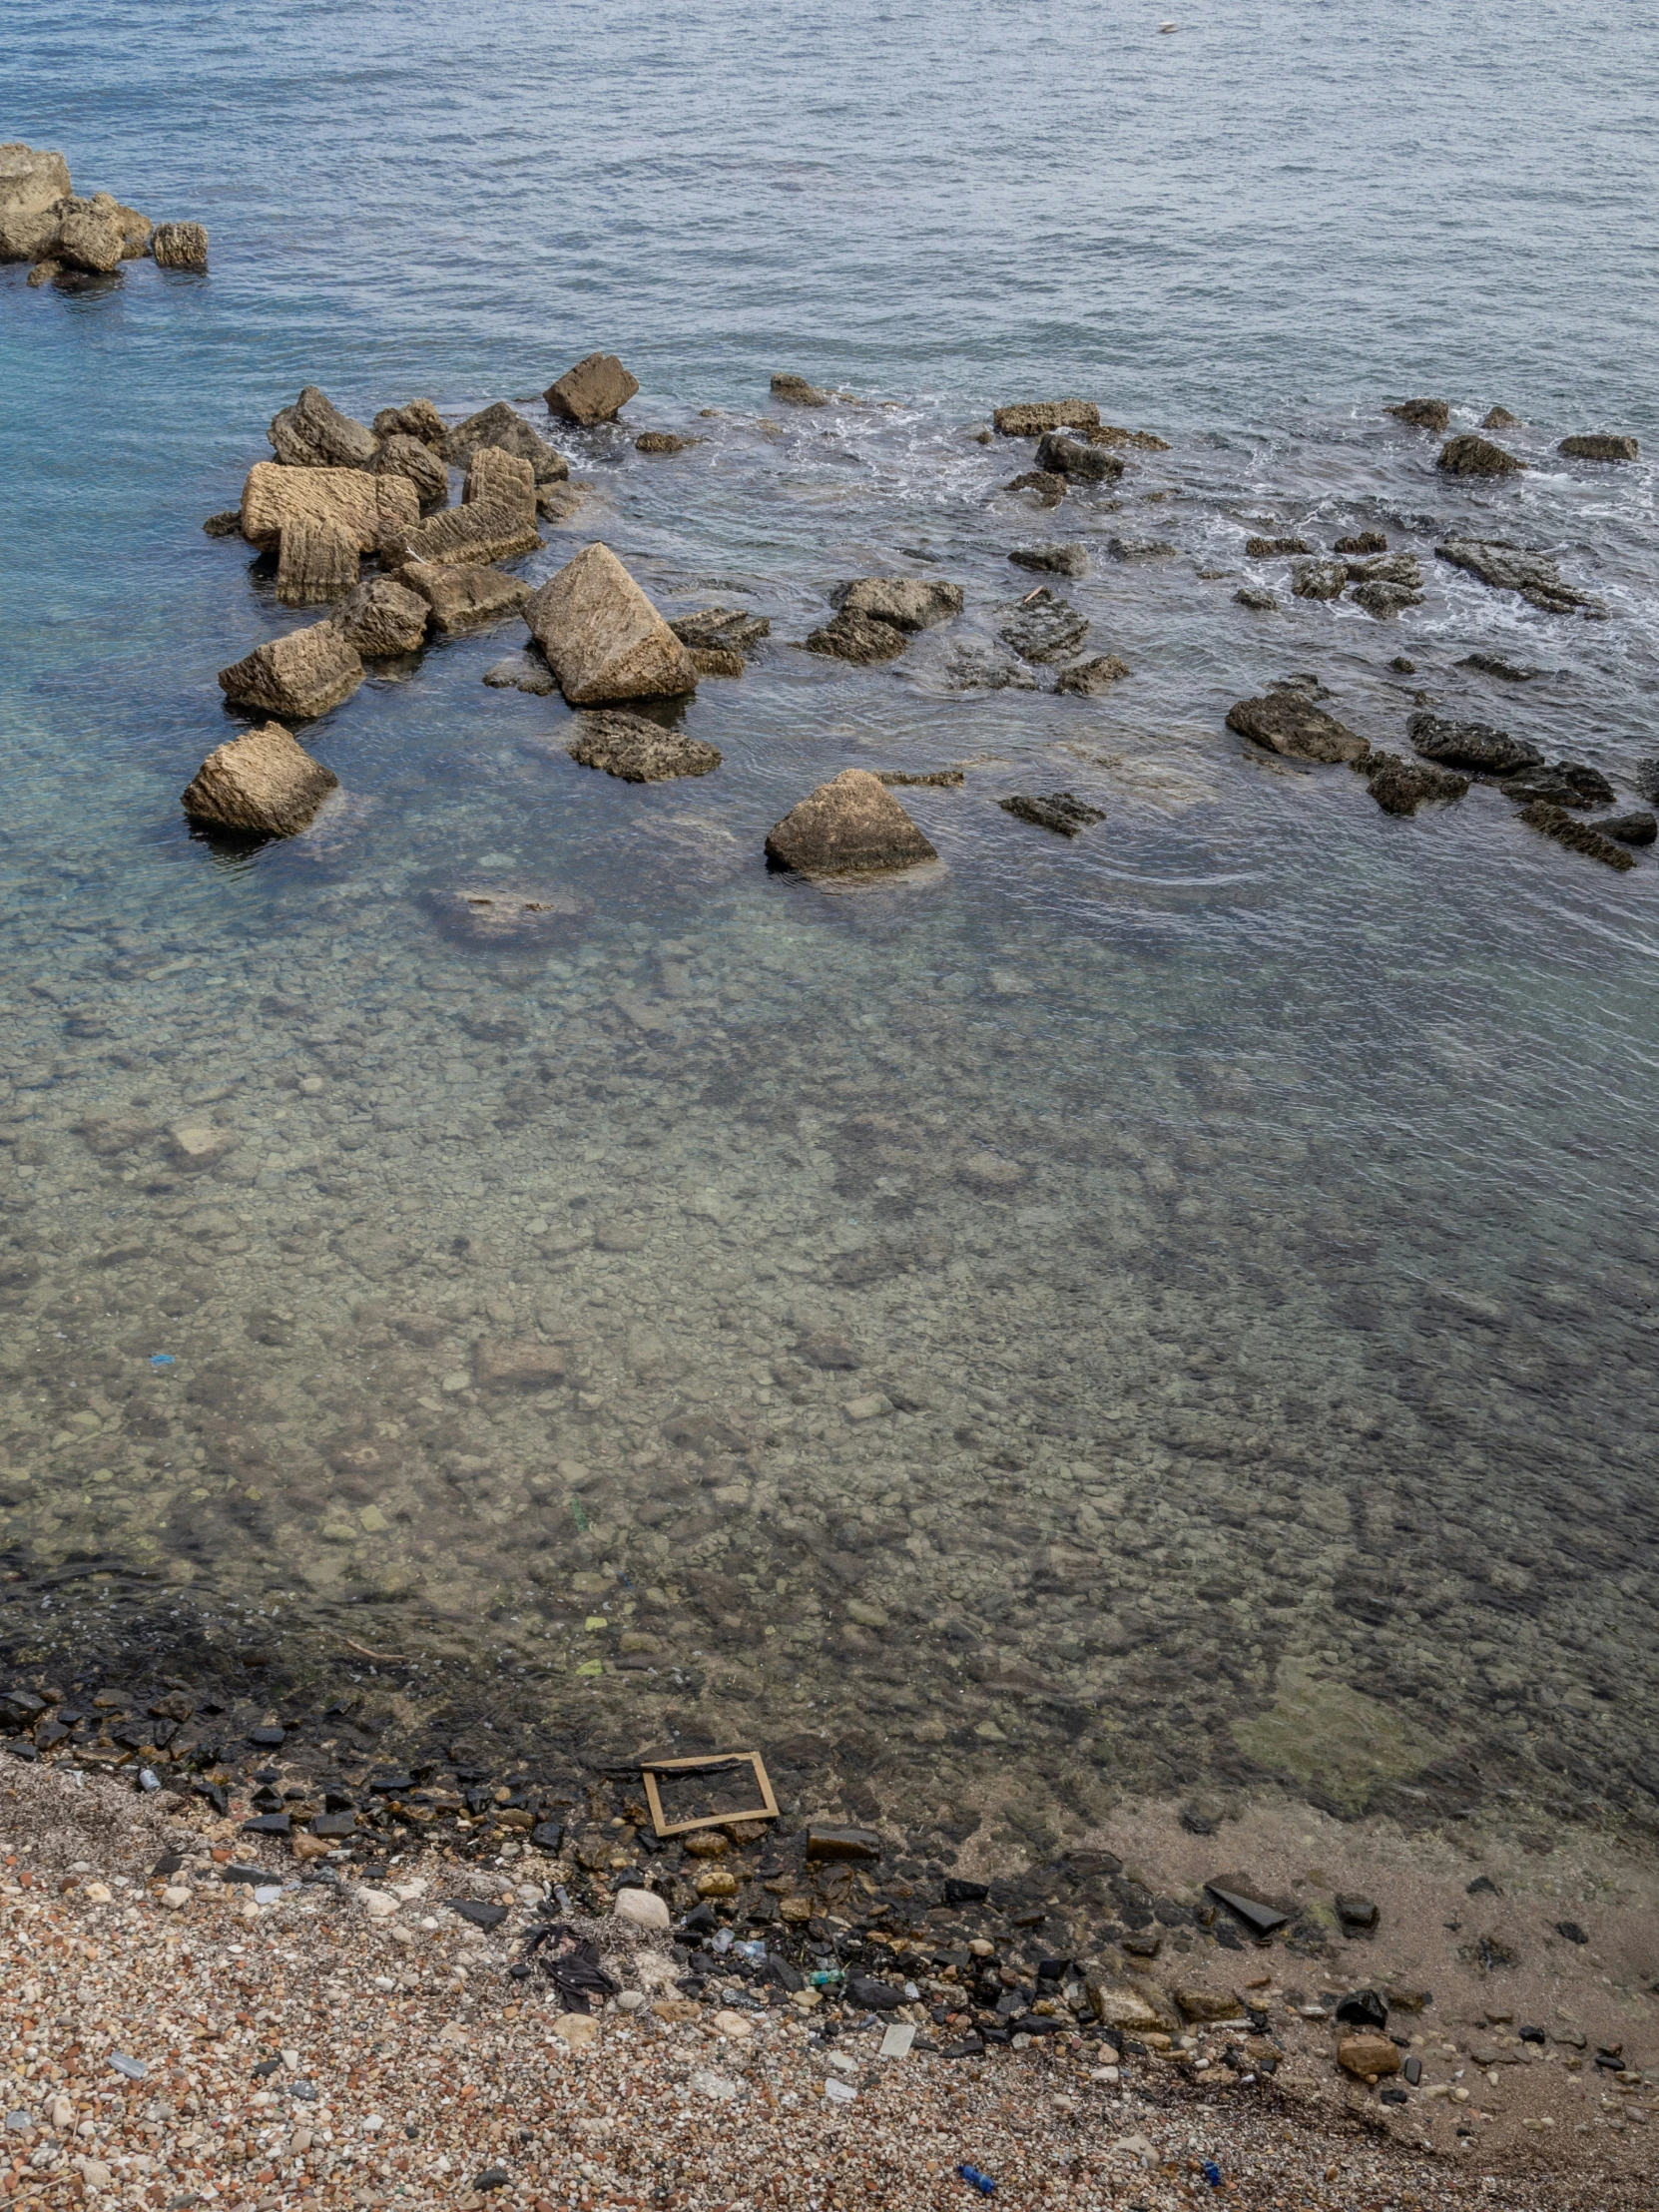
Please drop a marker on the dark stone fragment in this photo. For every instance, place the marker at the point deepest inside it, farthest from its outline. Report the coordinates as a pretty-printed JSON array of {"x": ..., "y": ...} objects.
[
  {"x": 1474, "y": 746},
  {"x": 51, "y": 1733},
  {"x": 841, "y": 1843},
  {"x": 1401, "y": 787},
  {"x": 1271, "y": 549},
  {"x": 1507, "y": 567},
  {"x": 266, "y": 2068},
  {"x": 1253, "y": 596},
  {"x": 336, "y": 1800},
  {"x": 268, "y": 1824},
  {"x": 1636, "y": 828},
  {"x": 1483, "y": 1886},
  {"x": 1058, "y": 560},
  {"x": 390, "y": 1784},
  {"x": 477, "y": 1911},
  {"x": 721, "y": 629},
  {"x": 169, "y": 1862},
  {"x": 1088, "y": 678},
  {"x": 1562, "y": 784},
  {"x": 967, "y": 2046},
  {"x": 1196, "y": 1823},
  {"x": 253, "y": 1875},
  {"x": 1423, "y": 414},
  {"x": 1362, "y": 2008},
  {"x": 1578, "y": 836},
  {"x": 1143, "y": 1946},
  {"x": 1571, "y": 1931},
  {"x": 1044, "y": 626},
  {"x": 1058, "y": 455},
  {"x": 780, "y": 1974},
  {"x": 858, "y": 638},
  {"x": 225, "y": 524},
  {"x": 23, "y": 1750},
  {"x": 1260, "y": 1918},
  {"x": 1354, "y": 1911},
  {"x": 1392, "y": 2096},
  {"x": 492, "y": 2177},
  {"x": 1412, "y": 2071},
  {"x": 874, "y": 1997},
  {"x": 548, "y": 1834},
  {"x": 1287, "y": 720},
  {"x": 958, "y": 1891},
  {"x": 1532, "y": 2034},
  {"x": 216, "y": 1796},
  {"x": 1488, "y": 664},
  {"x": 334, "y": 1826},
  {"x": 1038, "y": 2023},
  {"x": 268, "y": 1739},
  {"x": 1063, "y": 812}
]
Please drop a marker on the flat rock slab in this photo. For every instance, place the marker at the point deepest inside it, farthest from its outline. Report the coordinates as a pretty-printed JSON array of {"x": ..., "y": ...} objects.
[
  {"x": 518, "y": 1363},
  {"x": 595, "y": 389},
  {"x": 639, "y": 750},
  {"x": 1044, "y": 626},
  {"x": 1081, "y": 463},
  {"x": 1271, "y": 549},
  {"x": 1048, "y": 485},
  {"x": 1507, "y": 567},
  {"x": 1062, "y": 812},
  {"x": 383, "y": 618},
  {"x": 1029, "y": 418},
  {"x": 725, "y": 629},
  {"x": 1474, "y": 746},
  {"x": 1597, "y": 445},
  {"x": 858, "y": 638},
  {"x": 852, "y": 826},
  {"x": 260, "y": 785},
  {"x": 500, "y": 426},
  {"x": 827, "y": 1841},
  {"x": 477, "y": 533},
  {"x": 1142, "y": 549},
  {"x": 368, "y": 508},
  {"x": 461, "y": 598},
  {"x": 604, "y": 639},
  {"x": 296, "y": 678},
  {"x": 1291, "y": 724},
  {"x": 906, "y": 601}
]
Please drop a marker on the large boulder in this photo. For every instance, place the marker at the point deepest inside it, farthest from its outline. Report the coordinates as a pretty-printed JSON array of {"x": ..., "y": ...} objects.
[
  {"x": 296, "y": 678},
  {"x": 460, "y": 597},
  {"x": 1031, "y": 417},
  {"x": 475, "y": 533},
  {"x": 312, "y": 433},
  {"x": 500, "y": 426},
  {"x": 795, "y": 392},
  {"x": 383, "y": 618},
  {"x": 852, "y": 826},
  {"x": 1082, "y": 464},
  {"x": 92, "y": 235},
  {"x": 907, "y": 603},
  {"x": 260, "y": 785},
  {"x": 315, "y": 565},
  {"x": 368, "y": 508},
  {"x": 497, "y": 477},
  {"x": 417, "y": 419},
  {"x": 1504, "y": 566},
  {"x": 401, "y": 455},
  {"x": 637, "y": 751},
  {"x": 179, "y": 245},
  {"x": 604, "y": 639},
  {"x": 32, "y": 178},
  {"x": 1597, "y": 445},
  {"x": 1474, "y": 746},
  {"x": 28, "y": 235},
  {"x": 1291, "y": 724},
  {"x": 595, "y": 390},
  {"x": 1423, "y": 414},
  {"x": 1473, "y": 455}
]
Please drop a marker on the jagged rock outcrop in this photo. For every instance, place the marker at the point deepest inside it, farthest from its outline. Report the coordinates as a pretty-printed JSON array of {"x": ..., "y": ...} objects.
[
  {"x": 858, "y": 638},
  {"x": 1048, "y": 487},
  {"x": 1054, "y": 560},
  {"x": 312, "y": 433},
  {"x": 1268, "y": 549},
  {"x": 907, "y": 603},
  {"x": 1088, "y": 678},
  {"x": 1319, "y": 579},
  {"x": 1597, "y": 445},
  {"x": 663, "y": 441},
  {"x": 604, "y": 639},
  {"x": 460, "y": 595},
  {"x": 316, "y": 564},
  {"x": 1031, "y": 417},
  {"x": 1062, "y": 812},
  {"x": 1043, "y": 626},
  {"x": 368, "y": 508},
  {"x": 639, "y": 750},
  {"x": 1401, "y": 787},
  {"x": 1504, "y": 566},
  {"x": 498, "y": 425},
  {"x": 1473, "y": 455},
  {"x": 383, "y": 618},
  {"x": 595, "y": 389},
  {"x": 1577, "y": 836},
  {"x": 1474, "y": 746},
  {"x": 852, "y": 826},
  {"x": 1291, "y": 724},
  {"x": 260, "y": 785},
  {"x": 403, "y": 456},
  {"x": 1058, "y": 455},
  {"x": 721, "y": 630},
  {"x": 1423, "y": 414},
  {"x": 296, "y": 678}
]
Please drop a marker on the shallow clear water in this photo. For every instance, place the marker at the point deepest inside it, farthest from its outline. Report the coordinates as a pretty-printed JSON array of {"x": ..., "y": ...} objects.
[{"x": 1239, "y": 1217}]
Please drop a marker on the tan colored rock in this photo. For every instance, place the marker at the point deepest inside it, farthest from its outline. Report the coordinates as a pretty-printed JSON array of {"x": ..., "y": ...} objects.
[
  {"x": 295, "y": 678},
  {"x": 136, "y": 232},
  {"x": 419, "y": 419},
  {"x": 516, "y": 1363},
  {"x": 595, "y": 390},
  {"x": 28, "y": 235},
  {"x": 1031, "y": 418},
  {"x": 480, "y": 532},
  {"x": 1144, "y": 2009},
  {"x": 92, "y": 235},
  {"x": 663, "y": 441},
  {"x": 383, "y": 618},
  {"x": 199, "y": 1144},
  {"x": 312, "y": 433},
  {"x": 639, "y": 750},
  {"x": 500, "y": 426},
  {"x": 904, "y": 602},
  {"x": 496, "y": 478},
  {"x": 1368, "y": 2055},
  {"x": 179, "y": 245},
  {"x": 796, "y": 391},
  {"x": 603, "y": 639},
  {"x": 577, "y": 2030},
  {"x": 316, "y": 564},
  {"x": 641, "y": 1908},
  {"x": 32, "y": 178},
  {"x": 263, "y": 784},
  {"x": 401, "y": 455},
  {"x": 370, "y": 507},
  {"x": 307, "y": 1848},
  {"x": 852, "y": 826},
  {"x": 716, "y": 1882},
  {"x": 1208, "y": 2004},
  {"x": 460, "y": 597}
]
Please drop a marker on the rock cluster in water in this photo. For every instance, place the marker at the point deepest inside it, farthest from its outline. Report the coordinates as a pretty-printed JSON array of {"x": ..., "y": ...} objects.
[{"x": 74, "y": 239}]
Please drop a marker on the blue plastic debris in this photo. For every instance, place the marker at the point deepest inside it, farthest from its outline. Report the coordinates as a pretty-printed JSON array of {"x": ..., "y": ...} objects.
[
  {"x": 1212, "y": 2173},
  {"x": 982, "y": 2182},
  {"x": 161, "y": 1359},
  {"x": 133, "y": 2068}
]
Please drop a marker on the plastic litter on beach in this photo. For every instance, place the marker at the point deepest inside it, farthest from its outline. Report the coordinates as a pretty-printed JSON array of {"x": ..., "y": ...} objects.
[
  {"x": 841, "y": 2092},
  {"x": 133, "y": 2068},
  {"x": 976, "y": 2180},
  {"x": 161, "y": 1359}
]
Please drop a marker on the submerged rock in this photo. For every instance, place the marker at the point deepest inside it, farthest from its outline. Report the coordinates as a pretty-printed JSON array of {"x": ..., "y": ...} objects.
[
  {"x": 1473, "y": 455},
  {"x": 1062, "y": 812},
  {"x": 1500, "y": 418},
  {"x": 1509, "y": 567},
  {"x": 795, "y": 392},
  {"x": 595, "y": 390},
  {"x": 907, "y": 603},
  {"x": 506, "y": 914},
  {"x": 418, "y": 418},
  {"x": 1401, "y": 787},
  {"x": 1088, "y": 678},
  {"x": 663, "y": 441},
  {"x": 1030, "y": 418},
  {"x": 1565, "y": 784},
  {"x": 852, "y": 826},
  {"x": 1640, "y": 827},
  {"x": 477, "y": 532},
  {"x": 1384, "y": 600},
  {"x": 1141, "y": 549},
  {"x": 721, "y": 629},
  {"x": 226, "y": 524},
  {"x": 556, "y": 503},
  {"x": 1084, "y": 464},
  {"x": 1047, "y": 483},
  {"x": 263, "y": 784},
  {"x": 933, "y": 779},
  {"x": 639, "y": 750},
  {"x": 296, "y": 678},
  {"x": 1112, "y": 434},
  {"x": 1291, "y": 724},
  {"x": 604, "y": 639},
  {"x": 973, "y": 668},
  {"x": 179, "y": 245},
  {"x": 1423, "y": 414},
  {"x": 1319, "y": 579},
  {"x": 368, "y": 508},
  {"x": 312, "y": 433},
  {"x": 499, "y": 425},
  {"x": 858, "y": 638},
  {"x": 1490, "y": 664},
  {"x": 383, "y": 618},
  {"x": 524, "y": 672},
  {"x": 1058, "y": 560},
  {"x": 1253, "y": 596},
  {"x": 1598, "y": 446},
  {"x": 1269, "y": 549},
  {"x": 1474, "y": 745},
  {"x": 401, "y": 455},
  {"x": 316, "y": 564},
  {"x": 461, "y": 596},
  {"x": 1044, "y": 626},
  {"x": 1578, "y": 836},
  {"x": 1387, "y": 585}
]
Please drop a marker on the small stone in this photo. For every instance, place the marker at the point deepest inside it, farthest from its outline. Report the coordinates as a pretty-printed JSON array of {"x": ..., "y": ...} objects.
[
  {"x": 828, "y": 1842},
  {"x": 858, "y": 639},
  {"x": 1079, "y": 463},
  {"x": 1362, "y": 2008},
  {"x": 1474, "y": 746},
  {"x": 716, "y": 1882},
  {"x": 735, "y": 2026},
  {"x": 1640, "y": 827},
  {"x": 1363, "y": 541},
  {"x": 870, "y": 1407},
  {"x": 577, "y": 2030},
  {"x": 1291, "y": 724},
  {"x": 1048, "y": 485},
  {"x": 501, "y": 427},
  {"x": 1370, "y": 2057},
  {"x": 225, "y": 524},
  {"x": 1319, "y": 579},
  {"x": 1259, "y": 601},
  {"x": 1208, "y": 2004},
  {"x": 383, "y": 618},
  {"x": 641, "y": 1908},
  {"x": 518, "y": 1363},
  {"x": 603, "y": 639},
  {"x": 97, "y": 1892},
  {"x": 307, "y": 1849},
  {"x": 524, "y": 672},
  {"x": 1500, "y": 418},
  {"x": 1132, "y": 550},
  {"x": 179, "y": 245},
  {"x": 907, "y": 603},
  {"x": 199, "y": 1144},
  {"x": 866, "y": 1615},
  {"x": 1401, "y": 787},
  {"x": 663, "y": 441},
  {"x": 1267, "y": 549}
]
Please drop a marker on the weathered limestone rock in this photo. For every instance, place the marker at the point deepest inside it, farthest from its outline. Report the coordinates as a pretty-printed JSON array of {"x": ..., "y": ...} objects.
[
  {"x": 714, "y": 660},
  {"x": 383, "y": 618},
  {"x": 1254, "y": 597},
  {"x": 1384, "y": 600},
  {"x": 295, "y": 678},
  {"x": 506, "y": 914},
  {"x": 1319, "y": 579},
  {"x": 518, "y": 1363},
  {"x": 1474, "y": 746},
  {"x": 45, "y": 273},
  {"x": 316, "y": 564},
  {"x": 795, "y": 392},
  {"x": 92, "y": 235},
  {"x": 1423, "y": 414},
  {"x": 721, "y": 629},
  {"x": 604, "y": 639},
  {"x": 498, "y": 425},
  {"x": 1054, "y": 560},
  {"x": 1368, "y": 2055},
  {"x": 179, "y": 245},
  {"x": 368, "y": 508},
  {"x": 1082, "y": 464},
  {"x": 419, "y": 419},
  {"x": 136, "y": 231},
  {"x": 1269, "y": 549},
  {"x": 858, "y": 638},
  {"x": 1473, "y": 455},
  {"x": 497, "y": 478},
  {"x": 461, "y": 597},
  {"x": 1062, "y": 812},
  {"x": 477, "y": 533},
  {"x": 663, "y": 441},
  {"x": 907, "y": 603},
  {"x": 595, "y": 390},
  {"x": 1088, "y": 678},
  {"x": 1291, "y": 724},
  {"x": 312, "y": 433},
  {"x": 1401, "y": 787},
  {"x": 852, "y": 826},
  {"x": 1044, "y": 626},
  {"x": 1032, "y": 417},
  {"x": 1504, "y": 566},
  {"x": 28, "y": 234},
  {"x": 1596, "y": 445},
  {"x": 557, "y": 503},
  {"x": 32, "y": 178},
  {"x": 1363, "y": 541},
  {"x": 523, "y": 672},
  {"x": 1500, "y": 418},
  {"x": 1113, "y": 433},
  {"x": 263, "y": 784},
  {"x": 1143, "y": 2007},
  {"x": 639, "y": 750},
  {"x": 403, "y": 456}
]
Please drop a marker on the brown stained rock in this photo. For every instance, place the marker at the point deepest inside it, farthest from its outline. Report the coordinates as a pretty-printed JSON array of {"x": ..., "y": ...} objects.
[
  {"x": 1597, "y": 445},
  {"x": 1423, "y": 414},
  {"x": 825, "y": 1841},
  {"x": 858, "y": 638},
  {"x": 1088, "y": 678},
  {"x": 1142, "y": 2008},
  {"x": 1368, "y": 2056},
  {"x": 1473, "y": 455},
  {"x": 1062, "y": 812},
  {"x": 136, "y": 232},
  {"x": 715, "y": 660},
  {"x": 730, "y": 629},
  {"x": 295, "y": 678},
  {"x": 462, "y": 597},
  {"x": 499, "y": 425},
  {"x": 1208, "y": 2004},
  {"x": 403, "y": 456},
  {"x": 179, "y": 245},
  {"x": 263, "y": 784},
  {"x": 474, "y": 533},
  {"x": 604, "y": 639},
  {"x": 1363, "y": 541},
  {"x": 497, "y": 478},
  {"x": 795, "y": 392},
  {"x": 1110, "y": 433},
  {"x": 518, "y": 1363},
  {"x": 1577, "y": 836},
  {"x": 637, "y": 751},
  {"x": 418, "y": 418},
  {"x": 852, "y": 826},
  {"x": 1291, "y": 724},
  {"x": 1048, "y": 485},
  {"x": 383, "y": 618},
  {"x": 1500, "y": 418},
  {"x": 312, "y": 433},
  {"x": 595, "y": 390},
  {"x": 907, "y": 603},
  {"x": 1053, "y": 560},
  {"x": 370, "y": 507},
  {"x": 316, "y": 564},
  {"x": 1268, "y": 549},
  {"x": 28, "y": 235},
  {"x": 557, "y": 503},
  {"x": 92, "y": 235},
  {"x": 1030, "y": 418}
]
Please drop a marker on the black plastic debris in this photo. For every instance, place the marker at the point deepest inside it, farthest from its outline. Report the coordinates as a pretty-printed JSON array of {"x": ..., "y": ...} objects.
[
  {"x": 965, "y": 1892},
  {"x": 571, "y": 1963},
  {"x": 1260, "y": 1918},
  {"x": 1362, "y": 2008},
  {"x": 477, "y": 1911}
]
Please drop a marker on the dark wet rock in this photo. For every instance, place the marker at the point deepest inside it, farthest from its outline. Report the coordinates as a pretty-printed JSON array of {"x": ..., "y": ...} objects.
[
  {"x": 296, "y": 678},
  {"x": 1363, "y": 541},
  {"x": 1388, "y": 568},
  {"x": 1141, "y": 549},
  {"x": 312, "y": 433},
  {"x": 1112, "y": 434},
  {"x": 1044, "y": 626},
  {"x": 795, "y": 392},
  {"x": 1500, "y": 418},
  {"x": 1472, "y": 746},
  {"x": 825, "y": 1841},
  {"x": 262, "y": 783},
  {"x": 226, "y": 524},
  {"x": 1048, "y": 485},
  {"x": 1384, "y": 600},
  {"x": 1488, "y": 664},
  {"x": 1031, "y": 417},
  {"x": 503, "y": 426},
  {"x": 823, "y": 1348},
  {"x": 663, "y": 441},
  {"x": 1257, "y": 1914},
  {"x": 417, "y": 419},
  {"x": 1362, "y": 2008},
  {"x": 1573, "y": 1932},
  {"x": 858, "y": 639},
  {"x": 383, "y": 618},
  {"x": 480, "y": 1913},
  {"x": 1059, "y": 456},
  {"x": 500, "y": 913},
  {"x": 1578, "y": 836},
  {"x": 1291, "y": 724},
  {"x": 1088, "y": 678},
  {"x": 1402, "y": 665},
  {"x": 595, "y": 389},
  {"x": 524, "y": 672},
  {"x": 717, "y": 660},
  {"x": 1268, "y": 549},
  {"x": 1319, "y": 579},
  {"x": 1356, "y": 1911},
  {"x": 460, "y": 597},
  {"x": 874, "y": 1997},
  {"x": 477, "y": 533},
  {"x": 1598, "y": 446},
  {"x": 1509, "y": 567},
  {"x": 852, "y": 826},
  {"x": 1473, "y": 455},
  {"x": 1056, "y": 560},
  {"x": 400, "y": 456},
  {"x": 934, "y": 779},
  {"x": 1063, "y": 812},
  {"x": 961, "y": 1892},
  {"x": 1259, "y": 601},
  {"x": 1401, "y": 787},
  {"x": 721, "y": 629},
  {"x": 316, "y": 564},
  {"x": 906, "y": 602},
  {"x": 1640, "y": 827},
  {"x": 604, "y": 639},
  {"x": 1562, "y": 784},
  {"x": 179, "y": 245},
  {"x": 637, "y": 751},
  {"x": 1423, "y": 414}
]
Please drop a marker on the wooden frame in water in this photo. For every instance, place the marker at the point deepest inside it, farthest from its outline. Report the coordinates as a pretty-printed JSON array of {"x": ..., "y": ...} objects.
[{"x": 765, "y": 1811}]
